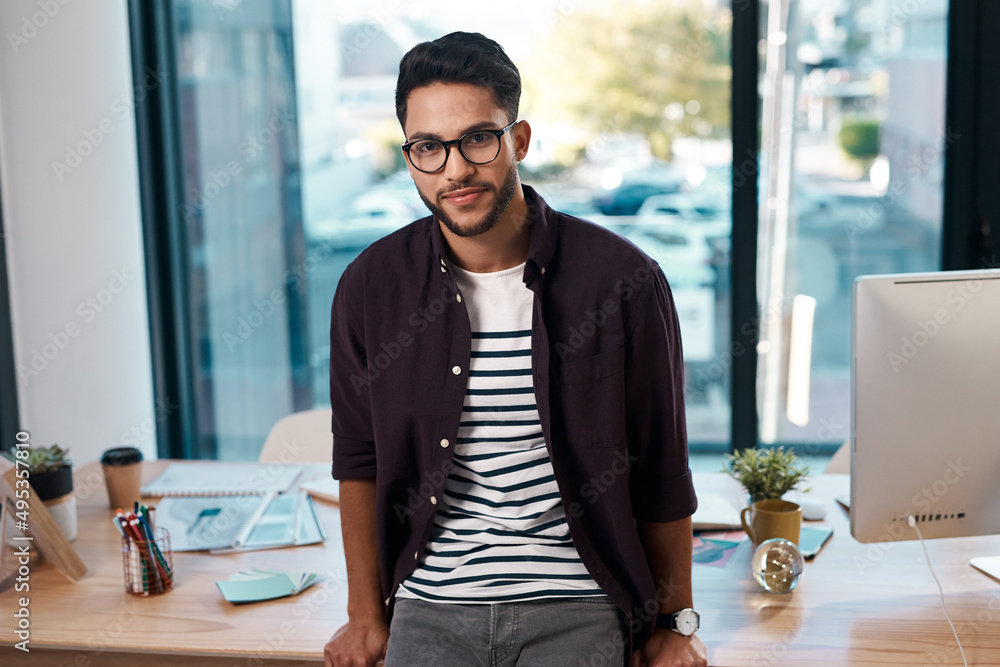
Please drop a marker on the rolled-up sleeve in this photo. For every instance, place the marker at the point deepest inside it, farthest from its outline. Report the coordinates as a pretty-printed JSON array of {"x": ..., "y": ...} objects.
[
  {"x": 660, "y": 480},
  {"x": 353, "y": 432}
]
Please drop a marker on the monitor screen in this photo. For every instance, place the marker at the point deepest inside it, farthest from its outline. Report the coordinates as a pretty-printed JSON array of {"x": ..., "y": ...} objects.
[{"x": 925, "y": 398}]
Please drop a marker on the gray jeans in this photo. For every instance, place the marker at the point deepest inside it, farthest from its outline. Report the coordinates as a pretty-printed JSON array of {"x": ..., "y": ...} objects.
[{"x": 575, "y": 632}]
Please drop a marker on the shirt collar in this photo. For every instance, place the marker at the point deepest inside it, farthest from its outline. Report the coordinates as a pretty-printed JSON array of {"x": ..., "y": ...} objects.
[{"x": 544, "y": 231}]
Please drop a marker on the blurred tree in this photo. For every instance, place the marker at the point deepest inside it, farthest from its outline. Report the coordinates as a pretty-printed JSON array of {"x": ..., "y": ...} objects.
[
  {"x": 658, "y": 68},
  {"x": 859, "y": 137},
  {"x": 384, "y": 139}
]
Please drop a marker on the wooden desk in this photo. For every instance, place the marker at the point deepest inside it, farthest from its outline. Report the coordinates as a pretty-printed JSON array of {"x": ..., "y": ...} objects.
[
  {"x": 857, "y": 604},
  {"x": 94, "y": 622}
]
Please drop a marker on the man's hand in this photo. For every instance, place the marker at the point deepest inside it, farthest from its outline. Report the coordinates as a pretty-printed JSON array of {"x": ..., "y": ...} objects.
[
  {"x": 360, "y": 643},
  {"x": 666, "y": 648}
]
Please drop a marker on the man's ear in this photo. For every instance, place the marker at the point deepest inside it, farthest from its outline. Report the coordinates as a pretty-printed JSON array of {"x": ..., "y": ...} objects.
[{"x": 521, "y": 134}]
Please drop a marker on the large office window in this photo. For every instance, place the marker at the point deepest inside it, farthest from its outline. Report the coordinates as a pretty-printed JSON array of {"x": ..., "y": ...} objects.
[
  {"x": 289, "y": 166},
  {"x": 853, "y": 140}
]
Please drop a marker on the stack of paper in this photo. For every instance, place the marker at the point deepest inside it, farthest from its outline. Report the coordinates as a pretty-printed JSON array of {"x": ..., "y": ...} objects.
[{"x": 259, "y": 584}]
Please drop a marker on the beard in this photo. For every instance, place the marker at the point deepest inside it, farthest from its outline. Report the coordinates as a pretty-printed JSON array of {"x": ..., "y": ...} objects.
[{"x": 501, "y": 201}]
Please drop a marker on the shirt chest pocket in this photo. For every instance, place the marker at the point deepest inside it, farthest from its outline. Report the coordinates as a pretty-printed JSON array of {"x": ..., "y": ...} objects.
[{"x": 588, "y": 399}]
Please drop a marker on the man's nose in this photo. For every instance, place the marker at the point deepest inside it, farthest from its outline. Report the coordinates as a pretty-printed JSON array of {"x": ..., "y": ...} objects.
[{"x": 457, "y": 168}]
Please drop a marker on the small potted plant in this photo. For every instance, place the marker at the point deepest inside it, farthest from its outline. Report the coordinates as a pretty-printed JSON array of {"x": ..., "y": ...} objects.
[
  {"x": 50, "y": 474},
  {"x": 767, "y": 475}
]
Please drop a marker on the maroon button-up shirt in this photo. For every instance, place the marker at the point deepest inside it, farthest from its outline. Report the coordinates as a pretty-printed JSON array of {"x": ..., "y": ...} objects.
[{"x": 608, "y": 379}]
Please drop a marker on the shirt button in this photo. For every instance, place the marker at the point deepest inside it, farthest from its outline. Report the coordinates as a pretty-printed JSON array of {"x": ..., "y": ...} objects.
[
  {"x": 459, "y": 297},
  {"x": 457, "y": 370},
  {"x": 444, "y": 270},
  {"x": 543, "y": 270},
  {"x": 444, "y": 442},
  {"x": 434, "y": 501},
  {"x": 416, "y": 555}
]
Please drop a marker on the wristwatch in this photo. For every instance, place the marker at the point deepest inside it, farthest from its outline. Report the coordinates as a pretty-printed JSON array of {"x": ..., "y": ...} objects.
[{"x": 684, "y": 622}]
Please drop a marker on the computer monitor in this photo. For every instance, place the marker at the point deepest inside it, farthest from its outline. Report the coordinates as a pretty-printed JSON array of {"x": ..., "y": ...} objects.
[{"x": 925, "y": 399}]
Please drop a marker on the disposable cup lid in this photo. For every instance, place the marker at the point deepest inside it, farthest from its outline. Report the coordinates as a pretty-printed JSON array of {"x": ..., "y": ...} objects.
[{"x": 121, "y": 456}]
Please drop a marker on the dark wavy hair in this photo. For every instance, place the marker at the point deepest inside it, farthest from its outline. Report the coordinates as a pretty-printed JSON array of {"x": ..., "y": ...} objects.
[{"x": 460, "y": 57}]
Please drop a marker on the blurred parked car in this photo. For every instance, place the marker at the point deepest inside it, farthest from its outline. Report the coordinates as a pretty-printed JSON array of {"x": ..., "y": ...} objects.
[
  {"x": 680, "y": 208},
  {"x": 626, "y": 199},
  {"x": 635, "y": 185},
  {"x": 372, "y": 215},
  {"x": 685, "y": 253},
  {"x": 573, "y": 201}
]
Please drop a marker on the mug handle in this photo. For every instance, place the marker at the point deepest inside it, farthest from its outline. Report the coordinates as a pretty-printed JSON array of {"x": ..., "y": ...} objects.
[{"x": 746, "y": 526}]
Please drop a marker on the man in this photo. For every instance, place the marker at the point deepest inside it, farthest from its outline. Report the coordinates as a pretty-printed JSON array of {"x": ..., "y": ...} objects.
[{"x": 508, "y": 417}]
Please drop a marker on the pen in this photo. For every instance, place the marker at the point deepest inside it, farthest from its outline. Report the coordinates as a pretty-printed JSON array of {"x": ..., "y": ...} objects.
[
  {"x": 118, "y": 525},
  {"x": 145, "y": 529},
  {"x": 123, "y": 523},
  {"x": 152, "y": 540}
]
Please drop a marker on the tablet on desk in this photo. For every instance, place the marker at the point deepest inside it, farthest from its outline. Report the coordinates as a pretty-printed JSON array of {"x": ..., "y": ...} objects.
[{"x": 812, "y": 539}]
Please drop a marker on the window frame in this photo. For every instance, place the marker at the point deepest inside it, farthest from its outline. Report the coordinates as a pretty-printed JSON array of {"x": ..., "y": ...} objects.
[
  {"x": 744, "y": 119},
  {"x": 164, "y": 231}
]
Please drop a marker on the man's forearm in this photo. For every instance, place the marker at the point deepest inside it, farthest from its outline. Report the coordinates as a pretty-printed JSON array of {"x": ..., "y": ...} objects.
[
  {"x": 668, "y": 553},
  {"x": 357, "y": 520}
]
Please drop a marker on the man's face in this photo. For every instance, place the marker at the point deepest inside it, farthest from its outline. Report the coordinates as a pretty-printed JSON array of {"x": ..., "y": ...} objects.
[{"x": 468, "y": 198}]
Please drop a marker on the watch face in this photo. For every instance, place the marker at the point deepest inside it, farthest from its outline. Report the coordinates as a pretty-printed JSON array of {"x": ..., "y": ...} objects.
[{"x": 686, "y": 621}]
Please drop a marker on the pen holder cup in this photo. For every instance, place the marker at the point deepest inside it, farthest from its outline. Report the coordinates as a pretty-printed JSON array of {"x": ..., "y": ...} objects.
[{"x": 148, "y": 565}]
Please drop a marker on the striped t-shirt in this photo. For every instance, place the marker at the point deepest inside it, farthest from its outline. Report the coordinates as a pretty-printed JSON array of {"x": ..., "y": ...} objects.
[{"x": 500, "y": 533}]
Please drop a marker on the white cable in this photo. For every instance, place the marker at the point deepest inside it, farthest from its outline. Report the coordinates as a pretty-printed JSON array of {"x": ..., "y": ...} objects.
[{"x": 912, "y": 522}]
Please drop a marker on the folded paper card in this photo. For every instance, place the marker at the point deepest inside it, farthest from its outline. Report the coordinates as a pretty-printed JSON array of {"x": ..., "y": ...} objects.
[{"x": 258, "y": 585}]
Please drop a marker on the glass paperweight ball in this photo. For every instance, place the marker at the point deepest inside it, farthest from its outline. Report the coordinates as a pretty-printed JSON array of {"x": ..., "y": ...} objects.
[{"x": 777, "y": 565}]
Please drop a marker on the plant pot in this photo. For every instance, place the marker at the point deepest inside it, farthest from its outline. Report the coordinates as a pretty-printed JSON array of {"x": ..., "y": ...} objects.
[{"x": 55, "y": 489}]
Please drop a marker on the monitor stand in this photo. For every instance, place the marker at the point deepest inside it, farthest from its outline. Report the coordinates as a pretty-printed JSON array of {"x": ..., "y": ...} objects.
[{"x": 988, "y": 565}]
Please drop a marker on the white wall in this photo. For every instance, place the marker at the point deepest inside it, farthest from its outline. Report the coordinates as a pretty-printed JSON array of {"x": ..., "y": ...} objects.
[{"x": 74, "y": 238}]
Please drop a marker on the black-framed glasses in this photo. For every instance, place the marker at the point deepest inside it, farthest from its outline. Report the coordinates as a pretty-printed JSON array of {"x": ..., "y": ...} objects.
[{"x": 477, "y": 147}]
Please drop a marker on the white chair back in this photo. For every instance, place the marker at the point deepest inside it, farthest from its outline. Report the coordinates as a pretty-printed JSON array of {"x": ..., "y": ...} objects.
[{"x": 302, "y": 437}]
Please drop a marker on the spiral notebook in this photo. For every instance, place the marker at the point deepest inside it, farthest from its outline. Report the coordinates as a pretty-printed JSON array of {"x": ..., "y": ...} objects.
[
  {"x": 715, "y": 513},
  {"x": 223, "y": 479}
]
